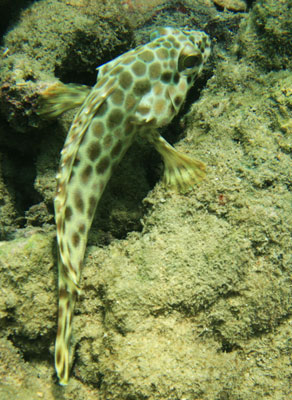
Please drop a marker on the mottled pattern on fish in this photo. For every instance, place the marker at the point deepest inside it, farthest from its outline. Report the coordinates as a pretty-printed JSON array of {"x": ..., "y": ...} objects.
[{"x": 139, "y": 91}]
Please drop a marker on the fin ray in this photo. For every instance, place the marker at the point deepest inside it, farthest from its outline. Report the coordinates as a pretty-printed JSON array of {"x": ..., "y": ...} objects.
[
  {"x": 181, "y": 172},
  {"x": 59, "y": 98}
]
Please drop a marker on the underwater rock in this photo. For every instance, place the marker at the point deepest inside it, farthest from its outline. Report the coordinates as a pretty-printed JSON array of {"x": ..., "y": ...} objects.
[
  {"x": 266, "y": 35},
  {"x": 46, "y": 45},
  {"x": 232, "y": 5}
]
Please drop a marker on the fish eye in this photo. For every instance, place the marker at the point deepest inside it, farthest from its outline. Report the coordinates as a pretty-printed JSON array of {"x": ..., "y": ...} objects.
[{"x": 191, "y": 61}]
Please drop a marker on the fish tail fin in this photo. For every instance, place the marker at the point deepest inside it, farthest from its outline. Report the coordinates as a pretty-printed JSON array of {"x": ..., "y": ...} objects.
[
  {"x": 58, "y": 98},
  {"x": 67, "y": 298},
  {"x": 181, "y": 172}
]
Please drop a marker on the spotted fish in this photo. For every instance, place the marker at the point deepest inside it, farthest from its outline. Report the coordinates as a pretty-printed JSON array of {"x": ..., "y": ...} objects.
[{"x": 139, "y": 91}]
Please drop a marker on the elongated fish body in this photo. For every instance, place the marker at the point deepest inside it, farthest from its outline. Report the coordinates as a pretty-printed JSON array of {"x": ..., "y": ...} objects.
[{"x": 139, "y": 91}]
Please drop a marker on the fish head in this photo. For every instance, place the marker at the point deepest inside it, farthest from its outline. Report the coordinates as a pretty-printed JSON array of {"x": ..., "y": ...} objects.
[
  {"x": 173, "y": 60},
  {"x": 194, "y": 53}
]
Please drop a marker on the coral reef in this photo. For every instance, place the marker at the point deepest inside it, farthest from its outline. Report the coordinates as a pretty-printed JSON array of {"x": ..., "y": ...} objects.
[{"x": 183, "y": 296}]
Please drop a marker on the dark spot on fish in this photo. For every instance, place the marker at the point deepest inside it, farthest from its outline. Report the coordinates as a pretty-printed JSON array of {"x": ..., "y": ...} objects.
[
  {"x": 98, "y": 129},
  {"x": 130, "y": 102},
  {"x": 102, "y": 165},
  {"x": 92, "y": 205},
  {"x": 176, "y": 78},
  {"x": 173, "y": 53},
  {"x": 79, "y": 203},
  {"x": 117, "y": 97},
  {"x": 59, "y": 330},
  {"x": 115, "y": 118},
  {"x": 86, "y": 174},
  {"x": 93, "y": 150},
  {"x": 142, "y": 87},
  {"x": 167, "y": 45},
  {"x": 60, "y": 314},
  {"x": 125, "y": 79},
  {"x": 62, "y": 293},
  {"x": 177, "y": 100},
  {"x": 108, "y": 141},
  {"x": 76, "y": 162},
  {"x": 68, "y": 213},
  {"x": 59, "y": 225},
  {"x": 162, "y": 53},
  {"x": 166, "y": 77},
  {"x": 75, "y": 239},
  {"x": 81, "y": 228},
  {"x": 117, "y": 149},
  {"x": 155, "y": 70},
  {"x": 146, "y": 56},
  {"x": 143, "y": 110},
  {"x": 58, "y": 360},
  {"x": 139, "y": 68}
]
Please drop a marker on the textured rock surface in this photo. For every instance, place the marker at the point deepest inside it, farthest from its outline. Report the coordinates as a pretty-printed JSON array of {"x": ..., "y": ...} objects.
[{"x": 233, "y": 5}]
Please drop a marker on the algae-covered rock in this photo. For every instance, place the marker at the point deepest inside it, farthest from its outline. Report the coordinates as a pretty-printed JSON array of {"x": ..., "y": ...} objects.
[
  {"x": 47, "y": 45},
  {"x": 28, "y": 307},
  {"x": 28, "y": 282},
  {"x": 7, "y": 207},
  {"x": 233, "y": 5},
  {"x": 266, "y": 35},
  {"x": 196, "y": 303}
]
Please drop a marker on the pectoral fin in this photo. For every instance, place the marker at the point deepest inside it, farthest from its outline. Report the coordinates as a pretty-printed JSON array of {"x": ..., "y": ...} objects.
[
  {"x": 59, "y": 98},
  {"x": 180, "y": 171}
]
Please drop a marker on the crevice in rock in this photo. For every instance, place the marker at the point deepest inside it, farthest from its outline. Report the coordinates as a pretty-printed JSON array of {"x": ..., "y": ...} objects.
[{"x": 19, "y": 173}]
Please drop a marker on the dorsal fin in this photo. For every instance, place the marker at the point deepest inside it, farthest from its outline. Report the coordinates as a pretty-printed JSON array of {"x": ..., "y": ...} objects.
[{"x": 68, "y": 155}]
